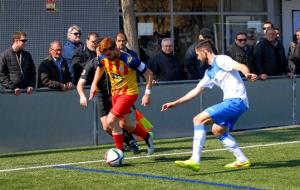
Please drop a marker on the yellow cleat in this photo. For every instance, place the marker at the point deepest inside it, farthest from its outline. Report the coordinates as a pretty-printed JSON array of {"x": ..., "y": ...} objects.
[
  {"x": 238, "y": 164},
  {"x": 190, "y": 164}
]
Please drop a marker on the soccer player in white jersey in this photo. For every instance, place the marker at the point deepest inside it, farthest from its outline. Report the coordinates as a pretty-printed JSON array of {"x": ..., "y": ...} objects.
[{"x": 223, "y": 72}]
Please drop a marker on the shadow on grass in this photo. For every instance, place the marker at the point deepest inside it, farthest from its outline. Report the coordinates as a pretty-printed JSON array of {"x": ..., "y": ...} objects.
[{"x": 278, "y": 164}]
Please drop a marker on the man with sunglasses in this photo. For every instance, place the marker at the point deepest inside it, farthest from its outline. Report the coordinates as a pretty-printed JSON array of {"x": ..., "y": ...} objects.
[
  {"x": 73, "y": 42},
  {"x": 17, "y": 69},
  {"x": 240, "y": 51}
]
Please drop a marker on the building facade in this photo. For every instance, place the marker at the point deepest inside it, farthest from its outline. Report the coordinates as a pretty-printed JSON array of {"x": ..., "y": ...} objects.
[
  {"x": 181, "y": 20},
  {"x": 46, "y": 20}
]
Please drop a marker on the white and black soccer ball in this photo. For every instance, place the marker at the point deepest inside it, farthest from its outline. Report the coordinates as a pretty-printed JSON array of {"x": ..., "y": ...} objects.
[{"x": 114, "y": 157}]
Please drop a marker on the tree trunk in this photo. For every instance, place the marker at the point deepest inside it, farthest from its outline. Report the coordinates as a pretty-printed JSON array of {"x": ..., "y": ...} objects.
[{"x": 130, "y": 24}]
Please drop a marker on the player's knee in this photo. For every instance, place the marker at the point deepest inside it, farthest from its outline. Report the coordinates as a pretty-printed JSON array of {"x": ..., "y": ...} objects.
[
  {"x": 198, "y": 120},
  {"x": 217, "y": 131}
]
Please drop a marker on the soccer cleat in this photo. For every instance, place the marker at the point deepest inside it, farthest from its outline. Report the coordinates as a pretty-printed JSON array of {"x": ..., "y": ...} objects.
[
  {"x": 238, "y": 164},
  {"x": 190, "y": 164},
  {"x": 131, "y": 146},
  {"x": 150, "y": 145},
  {"x": 134, "y": 147}
]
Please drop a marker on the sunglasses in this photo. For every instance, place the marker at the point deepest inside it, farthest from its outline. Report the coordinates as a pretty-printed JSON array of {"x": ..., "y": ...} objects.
[
  {"x": 77, "y": 34},
  {"x": 240, "y": 40},
  {"x": 24, "y": 40}
]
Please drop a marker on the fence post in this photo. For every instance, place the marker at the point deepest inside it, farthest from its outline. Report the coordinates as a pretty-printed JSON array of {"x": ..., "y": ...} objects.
[{"x": 95, "y": 122}]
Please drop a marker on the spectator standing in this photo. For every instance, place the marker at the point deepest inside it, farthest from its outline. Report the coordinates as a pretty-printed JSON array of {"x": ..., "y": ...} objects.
[
  {"x": 269, "y": 56},
  {"x": 193, "y": 66},
  {"x": 54, "y": 72},
  {"x": 121, "y": 42},
  {"x": 82, "y": 55},
  {"x": 164, "y": 64},
  {"x": 73, "y": 42},
  {"x": 240, "y": 51},
  {"x": 294, "y": 54},
  {"x": 17, "y": 69},
  {"x": 266, "y": 25}
]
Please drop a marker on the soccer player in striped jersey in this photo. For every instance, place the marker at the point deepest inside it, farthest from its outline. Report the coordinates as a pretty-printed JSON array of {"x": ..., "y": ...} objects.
[
  {"x": 223, "y": 72},
  {"x": 121, "y": 68}
]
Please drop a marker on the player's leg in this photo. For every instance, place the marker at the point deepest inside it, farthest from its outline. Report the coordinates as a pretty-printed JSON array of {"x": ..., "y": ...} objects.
[
  {"x": 139, "y": 131},
  {"x": 130, "y": 142},
  {"x": 198, "y": 142},
  {"x": 228, "y": 113},
  {"x": 103, "y": 108},
  {"x": 121, "y": 108},
  {"x": 117, "y": 132}
]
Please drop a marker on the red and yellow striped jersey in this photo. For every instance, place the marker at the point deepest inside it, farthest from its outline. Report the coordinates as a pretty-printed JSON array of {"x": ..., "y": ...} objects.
[{"x": 122, "y": 73}]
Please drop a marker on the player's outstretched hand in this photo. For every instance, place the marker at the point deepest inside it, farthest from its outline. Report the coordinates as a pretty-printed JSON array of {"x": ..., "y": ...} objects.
[
  {"x": 252, "y": 77},
  {"x": 145, "y": 100},
  {"x": 167, "y": 106},
  {"x": 93, "y": 91},
  {"x": 83, "y": 101}
]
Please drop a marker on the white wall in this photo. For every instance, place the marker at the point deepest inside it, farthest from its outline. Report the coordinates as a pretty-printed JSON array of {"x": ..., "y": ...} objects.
[{"x": 287, "y": 21}]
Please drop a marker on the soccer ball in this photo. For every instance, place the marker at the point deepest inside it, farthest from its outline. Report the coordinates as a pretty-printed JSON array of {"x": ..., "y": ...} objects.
[{"x": 114, "y": 157}]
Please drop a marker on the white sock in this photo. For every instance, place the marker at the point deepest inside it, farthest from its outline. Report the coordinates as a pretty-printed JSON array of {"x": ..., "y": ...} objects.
[
  {"x": 198, "y": 142},
  {"x": 229, "y": 142}
]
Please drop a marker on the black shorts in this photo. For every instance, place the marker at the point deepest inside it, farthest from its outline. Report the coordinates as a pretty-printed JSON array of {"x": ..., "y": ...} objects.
[{"x": 103, "y": 104}]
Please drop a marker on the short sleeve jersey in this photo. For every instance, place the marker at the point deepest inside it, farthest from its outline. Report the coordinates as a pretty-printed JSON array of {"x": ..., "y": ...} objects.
[
  {"x": 221, "y": 73},
  {"x": 122, "y": 73}
]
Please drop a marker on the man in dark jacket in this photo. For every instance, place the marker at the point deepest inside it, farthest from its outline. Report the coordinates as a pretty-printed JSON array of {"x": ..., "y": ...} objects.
[
  {"x": 240, "y": 51},
  {"x": 17, "y": 70},
  {"x": 193, "y": 66},
  {"x": 84, "y": 54},
  {"x": 164, "y": 64},
  {"x": 269, "y": 57},
  {"x": 294, "y": 54},
  {"x": 53, "y": 71}
]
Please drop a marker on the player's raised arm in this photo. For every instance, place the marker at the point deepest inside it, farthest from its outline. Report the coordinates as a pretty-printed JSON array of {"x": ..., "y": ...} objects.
[
  {"x": 189, "y": 96},
  {"x": 246, "y": 72}
]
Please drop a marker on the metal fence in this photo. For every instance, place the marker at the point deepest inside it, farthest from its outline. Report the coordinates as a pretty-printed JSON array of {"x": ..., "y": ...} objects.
[{"x": 50, "y": 119}]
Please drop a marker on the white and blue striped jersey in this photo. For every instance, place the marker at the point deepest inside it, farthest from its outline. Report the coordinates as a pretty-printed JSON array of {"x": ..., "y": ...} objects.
[{"x": 221, "y": 73}]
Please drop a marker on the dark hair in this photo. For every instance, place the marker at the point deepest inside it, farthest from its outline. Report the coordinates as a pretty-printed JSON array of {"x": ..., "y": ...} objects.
[
  {"x": 206, "y": 33},
  {"x": 268, "y": 22},
  {"x": 120, "y": 33},
  {"x": 240, "y": 33},
  {"x": 206, "y": 44},
  {"x": 17, "y": 36},
  {"x": 92, "y": 34}
]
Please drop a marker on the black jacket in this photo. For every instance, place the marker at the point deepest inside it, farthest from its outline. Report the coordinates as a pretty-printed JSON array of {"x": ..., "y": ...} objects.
[
  {"x": 241, "y": 55},
  {"x": 193, "y": 66},
  {"x": 12, "y": 75},
  {"x": 48, "y": 74},
  {"x": 80, "y": 58},
  {"x": 165, "y": 67},
  {"x": 269, "y": 59}
]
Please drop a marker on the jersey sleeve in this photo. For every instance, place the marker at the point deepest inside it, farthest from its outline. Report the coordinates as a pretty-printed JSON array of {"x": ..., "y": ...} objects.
[
  {"x": 87, "y": 69},
  {"x": 225, "y": 62},
  {"x": 206, "y": 82},
  {"x": 100, "y": 60},
  {"x": 133, "y": 62}
]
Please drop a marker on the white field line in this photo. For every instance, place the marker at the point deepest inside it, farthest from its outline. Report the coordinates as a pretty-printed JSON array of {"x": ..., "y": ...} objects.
[{"x": 138, "y": 157}]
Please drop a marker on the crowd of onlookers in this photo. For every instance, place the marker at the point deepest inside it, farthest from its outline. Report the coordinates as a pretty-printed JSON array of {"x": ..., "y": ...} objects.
[{"x": 63, "y": 67}]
